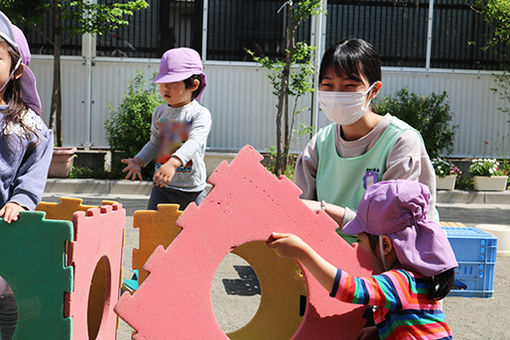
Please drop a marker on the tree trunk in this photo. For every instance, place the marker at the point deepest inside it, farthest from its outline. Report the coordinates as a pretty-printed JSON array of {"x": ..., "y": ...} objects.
[
  {"x": 291, "y": 46},
  {"x": 56, "y": 97}
]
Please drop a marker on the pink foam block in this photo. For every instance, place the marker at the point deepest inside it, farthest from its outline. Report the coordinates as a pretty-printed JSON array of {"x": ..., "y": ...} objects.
[
  {"x": 99, "y": 236},
  {"x": 246, "y": 204}
]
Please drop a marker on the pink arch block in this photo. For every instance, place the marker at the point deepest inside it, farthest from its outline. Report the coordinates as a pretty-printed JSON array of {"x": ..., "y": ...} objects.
[
  {"x": 246, "y": 204},
  {"x": 99, "y": 234}
]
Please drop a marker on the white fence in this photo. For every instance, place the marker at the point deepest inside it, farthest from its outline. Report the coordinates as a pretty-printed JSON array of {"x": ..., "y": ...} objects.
[{"x": 240, "y": 99}]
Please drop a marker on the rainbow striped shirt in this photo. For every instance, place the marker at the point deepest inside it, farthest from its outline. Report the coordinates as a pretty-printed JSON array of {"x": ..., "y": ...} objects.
[{"x": 403, "y": 308}]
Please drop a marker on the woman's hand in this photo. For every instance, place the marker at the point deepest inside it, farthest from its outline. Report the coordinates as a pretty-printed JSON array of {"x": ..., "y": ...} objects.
[
  {"x": 286, "y": 245},
  {"x": 133, "y": 168},
  {"x": 336, "y": 212},
  {"x": 10, "y": 211},
  {"x": 313, "y": 205}
]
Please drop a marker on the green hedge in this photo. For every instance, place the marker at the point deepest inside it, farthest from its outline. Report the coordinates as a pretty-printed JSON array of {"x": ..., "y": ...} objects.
[{"x": 430, "y": 115}]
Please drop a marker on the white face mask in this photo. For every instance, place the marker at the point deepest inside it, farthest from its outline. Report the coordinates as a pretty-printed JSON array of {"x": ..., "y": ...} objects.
[{"x": 344, "y": 108}]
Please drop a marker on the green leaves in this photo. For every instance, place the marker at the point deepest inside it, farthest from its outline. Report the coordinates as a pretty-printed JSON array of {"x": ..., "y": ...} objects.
[
  {"x": 497, "y": 14},
  {"x": 129, "y": 127},
  {"x": 84, "y": 17},
  {"x": 430, "y": 115},
  {"x": 100, "y": 18}
]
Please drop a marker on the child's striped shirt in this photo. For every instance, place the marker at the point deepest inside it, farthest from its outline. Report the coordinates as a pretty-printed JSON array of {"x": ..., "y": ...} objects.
[{"x": 403, "y": 308}]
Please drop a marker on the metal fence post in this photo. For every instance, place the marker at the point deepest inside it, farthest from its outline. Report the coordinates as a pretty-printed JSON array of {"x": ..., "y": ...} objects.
[
  {"x": 429, "y": 34},
  {"x": 318, "y": 38},
  {"x": 204, "y": 31},
  {"x": 88, "y": 51}
]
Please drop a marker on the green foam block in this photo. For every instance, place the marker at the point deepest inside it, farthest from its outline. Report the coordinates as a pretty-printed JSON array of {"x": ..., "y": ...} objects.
[{"x": 33, "y": 252}]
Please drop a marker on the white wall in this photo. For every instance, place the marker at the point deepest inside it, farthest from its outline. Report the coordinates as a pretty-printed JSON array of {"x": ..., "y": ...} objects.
[{"x": 240, "y": 99}]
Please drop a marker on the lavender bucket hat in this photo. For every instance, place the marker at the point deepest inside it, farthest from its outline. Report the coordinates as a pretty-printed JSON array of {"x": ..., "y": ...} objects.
[
  {"x": 399, "y": 209},
  {"x": 15, "y": 37},
  {"x": 179, "y": 64}
]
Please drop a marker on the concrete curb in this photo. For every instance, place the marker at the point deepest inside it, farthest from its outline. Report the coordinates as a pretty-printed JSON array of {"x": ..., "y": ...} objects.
[
  {"x": 473, "y": 197},
  {"x": 99, "y": 187},
  {"x": 143, "y": 188}
]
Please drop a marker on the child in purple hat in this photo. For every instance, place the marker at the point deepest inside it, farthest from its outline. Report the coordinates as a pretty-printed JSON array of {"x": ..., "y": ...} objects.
[
  {"x": 26, "y": 146},
  {"x": 411, "y": 252},
  {"x": 178, "y": 133}
]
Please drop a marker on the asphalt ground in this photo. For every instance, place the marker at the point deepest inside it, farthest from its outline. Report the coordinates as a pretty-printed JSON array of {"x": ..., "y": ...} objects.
[{"x": 236, "y": 290}]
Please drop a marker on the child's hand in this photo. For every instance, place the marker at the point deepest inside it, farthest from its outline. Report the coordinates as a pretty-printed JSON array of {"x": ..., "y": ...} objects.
[
  {"x": 286, "y": 245},
  {"x": 166, "y": 172},
  {"x": 10, "y": 211},
  {"x": 133, "y": 168}
]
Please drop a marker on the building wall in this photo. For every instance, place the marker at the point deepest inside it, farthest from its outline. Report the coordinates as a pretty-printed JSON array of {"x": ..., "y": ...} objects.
[{"x": 240, "y": 99}]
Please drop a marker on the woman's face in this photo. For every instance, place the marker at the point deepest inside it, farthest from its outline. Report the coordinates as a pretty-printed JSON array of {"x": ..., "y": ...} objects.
[{"x": 332, "y": 82}]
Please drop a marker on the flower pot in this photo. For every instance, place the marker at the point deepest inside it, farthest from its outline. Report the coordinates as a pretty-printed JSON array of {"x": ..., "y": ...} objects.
[
  {"x": 492, "y": 183},
  {"x": 62, "y": 161},
  {"x": 446, "y": 183}
]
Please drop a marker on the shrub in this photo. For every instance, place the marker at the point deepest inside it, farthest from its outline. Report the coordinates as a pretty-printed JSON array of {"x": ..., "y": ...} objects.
[
  {"x": 444, "y": 168},
  {"x": 430, "y": 115},
  {"x": 129, "y": 128}
]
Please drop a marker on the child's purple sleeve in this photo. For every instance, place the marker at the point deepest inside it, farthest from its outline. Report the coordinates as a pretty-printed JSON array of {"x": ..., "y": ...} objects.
[{"x": 28, "y": 186}]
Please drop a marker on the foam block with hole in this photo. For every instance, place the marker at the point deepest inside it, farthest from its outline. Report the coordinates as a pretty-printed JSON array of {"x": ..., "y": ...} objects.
[
  {"x": 98, "y": 242},
  {"x": 280, "y": 302},
  {"x": 246, "y": 204},
  {"x": 33, "y": 253},
  {"x": 64, "y": 210}
]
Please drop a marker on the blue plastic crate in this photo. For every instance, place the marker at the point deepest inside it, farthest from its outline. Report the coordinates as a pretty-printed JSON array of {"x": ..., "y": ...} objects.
[{"x": 475, "y": 251}]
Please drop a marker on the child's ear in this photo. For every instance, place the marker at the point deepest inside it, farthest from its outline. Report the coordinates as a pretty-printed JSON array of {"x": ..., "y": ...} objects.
[
  {"x": 196, "y": 84},
  {"x": 19, "y": 71},
  {"x": 387, "y": 244}
]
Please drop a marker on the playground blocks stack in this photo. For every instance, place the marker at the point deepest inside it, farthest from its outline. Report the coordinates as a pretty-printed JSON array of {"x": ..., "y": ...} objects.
[
  {"x": 51, "y": 276},
  {"x": 246, "y": 204}
]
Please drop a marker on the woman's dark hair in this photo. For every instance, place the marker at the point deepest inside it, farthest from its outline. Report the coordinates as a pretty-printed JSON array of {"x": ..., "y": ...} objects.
[
  {"x": 353, "y": 58},
  {"x": 12, "y": 95},
  {"x": 440, "y": 284},
  {"x": 189, "y": 83}
]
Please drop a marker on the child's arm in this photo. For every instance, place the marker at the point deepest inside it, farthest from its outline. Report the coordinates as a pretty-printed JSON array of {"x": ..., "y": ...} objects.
[
  {"x": 378, "y": 290},
  {"x": 28, "y": 186},
  {"x": 289, "y": 245},
  {"x": 148, "y": 152}
]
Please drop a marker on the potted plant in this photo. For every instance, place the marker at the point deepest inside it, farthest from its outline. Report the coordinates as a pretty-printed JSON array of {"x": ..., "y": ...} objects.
[
  {"x": 446, "y": 174},
  {"x": 487, "y": 175},
  {"x": 62, "y": 161}
]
